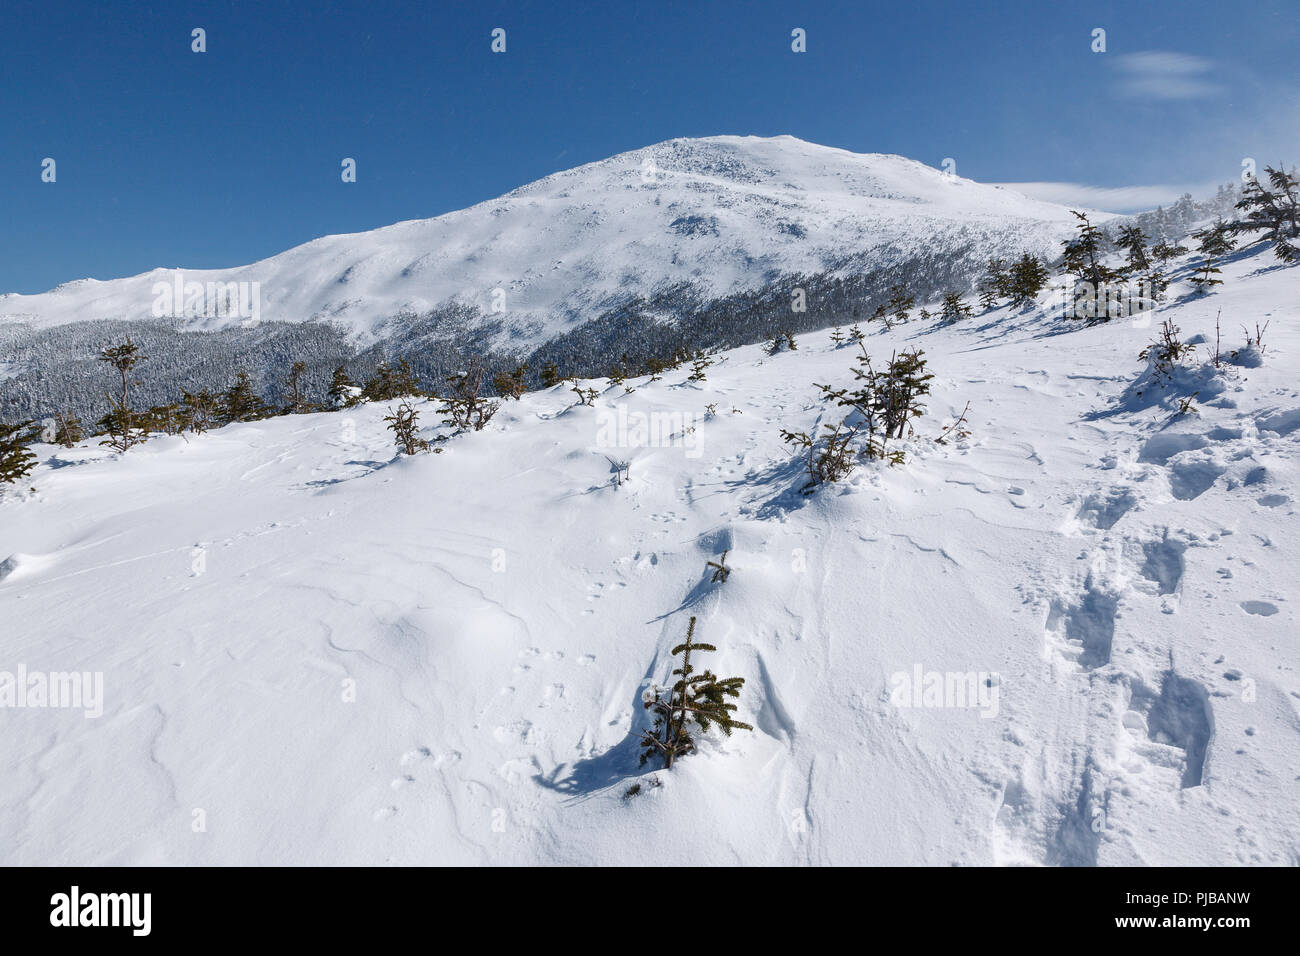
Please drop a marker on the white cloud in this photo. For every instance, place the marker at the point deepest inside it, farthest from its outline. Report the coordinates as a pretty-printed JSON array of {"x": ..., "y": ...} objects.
[
  {"x": 1119, "y": 199},
  {"x": 1163, "y": 75}
]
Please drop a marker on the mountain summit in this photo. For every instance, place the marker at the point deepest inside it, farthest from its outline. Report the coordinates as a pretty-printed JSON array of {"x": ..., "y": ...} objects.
[{"x": 721, "y": 214}]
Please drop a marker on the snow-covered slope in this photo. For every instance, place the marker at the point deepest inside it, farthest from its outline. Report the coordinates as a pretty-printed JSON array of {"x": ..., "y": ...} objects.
[
  {"x": 725, "y": 213},
  {"x": 313, "y": 652}
]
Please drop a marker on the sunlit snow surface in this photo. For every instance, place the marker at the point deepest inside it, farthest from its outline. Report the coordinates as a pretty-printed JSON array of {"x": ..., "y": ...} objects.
[{"x": 313, "y": 652}]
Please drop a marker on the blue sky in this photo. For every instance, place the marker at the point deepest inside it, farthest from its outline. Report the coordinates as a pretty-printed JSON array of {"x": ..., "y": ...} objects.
[{"x": 166, "y": 157}]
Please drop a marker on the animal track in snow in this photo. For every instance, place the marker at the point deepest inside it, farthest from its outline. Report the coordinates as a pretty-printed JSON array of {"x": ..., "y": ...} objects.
[
  {"x": 410, "y": 762},
  {"x": 518, "y": 769},
  {"x": 552, "y": 695},
  {"x": 520, "y": 730},
  {"x": 414, "y": 756}
]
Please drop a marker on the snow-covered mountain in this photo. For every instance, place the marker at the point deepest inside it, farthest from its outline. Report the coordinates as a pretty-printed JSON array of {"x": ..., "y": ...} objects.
[
  {"x": 1068, "y": 638},
  {"x": 723, "y": 214}
]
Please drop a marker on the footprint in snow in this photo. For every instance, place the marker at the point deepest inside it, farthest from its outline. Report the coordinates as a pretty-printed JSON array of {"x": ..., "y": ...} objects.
[
  {"x": 1261, "y": 608},
  {"x": 413, "y": 756}
]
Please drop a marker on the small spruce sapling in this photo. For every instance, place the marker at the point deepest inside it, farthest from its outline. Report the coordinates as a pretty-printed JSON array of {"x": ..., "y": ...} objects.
[
  {"x": 954, "y": 308},
  {"x": 343, "y": 392},
  {"x": 1205, "y": 276},
  {"x": 120, "y": 423},
  {"x": 700, "y": 698},
  {"x": 1275, "y": 211},
  {"x": 168, "y": 419},
  {"x": 829, "y": 457},
  {"x": 392, "y": 381},
  {"x": 67, "y": 429},
  {"x": 880, "y": 409},
  {"x": 1082, "y": 256},
  {"x": 124, "y": 358},
  {"x": 296, "y": 402},
  {"x": 16, "y": 459},
  {"x": 201, "y": 410},
  {"x": 1166, "y": 351},
  {"x": 240, "y": 403},
  {"x": 586, "y": 396},
  {"x": 636, "y": 789},
  {"x": 900, "y": 302},
  {"x": 698, "y": 366},
  {"x": 1216, "y": 242},
  {"x": 1134, "y": 242},
  {"x": 897, "y": 392},
  {"x": 122, "y": 426},
  {"x": 463, "y": 405},
  {"x": 404, "y": 423},
  {"x": 782, "y": 340},
  {"x": 995, "y": 284},
  {"x": 511, "y": 384},
  {"x": 1164, "y": 251},
  {"x": 1027, "y": 278},
  {"x": 618, "y": 376}
]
